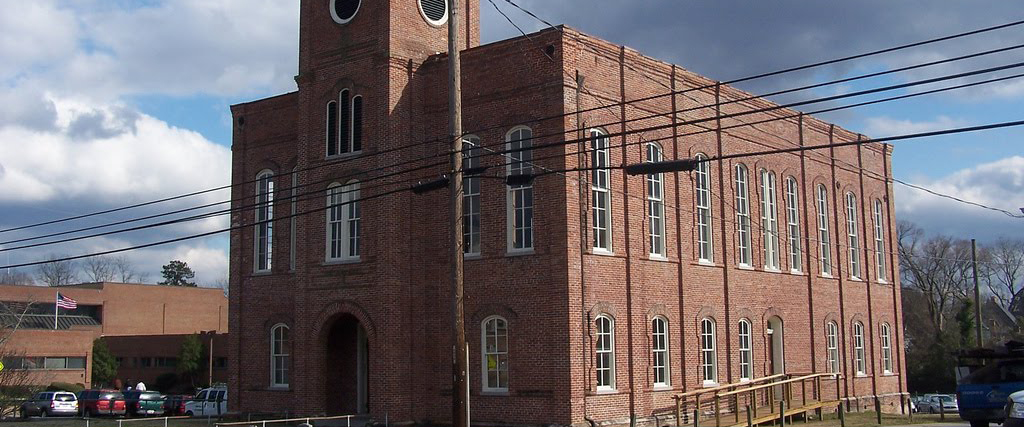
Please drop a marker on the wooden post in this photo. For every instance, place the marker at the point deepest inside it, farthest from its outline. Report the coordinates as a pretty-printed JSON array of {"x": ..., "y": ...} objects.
[
  {"x": 771, "y": 400},
  {"x": 942, "y": 410},
  {"x": 460, "y": 366},
  {"x": 696, "y": 415},
  {"x": 679, "y": 412},
  {"x": 817, "y": 388},
  {"x": 718, "y": 410},
  {"x": 750, "y": 417},
  {"x": 878, "y": 410},
  {"x": 736, "y": 407},
  {"x": 753, "y": 401},
  {"x": 782, "y": 413},
  {"x": 842, "y": 416},
  {"x": 803, "y": 392}
]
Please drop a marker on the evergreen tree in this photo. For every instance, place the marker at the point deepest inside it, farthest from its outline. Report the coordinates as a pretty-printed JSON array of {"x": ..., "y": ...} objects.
[
  {"x": 190, "y": 359},
  {"x": 177, "y": 273},
  {"x": 104, "y": 364}
]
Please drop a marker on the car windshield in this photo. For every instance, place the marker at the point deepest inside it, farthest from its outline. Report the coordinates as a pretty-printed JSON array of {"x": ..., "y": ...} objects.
[{"x": 945, "y": 399}]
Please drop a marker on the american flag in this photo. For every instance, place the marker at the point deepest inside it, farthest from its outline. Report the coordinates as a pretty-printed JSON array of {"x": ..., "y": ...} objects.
[{"x": 65, "y": 302}]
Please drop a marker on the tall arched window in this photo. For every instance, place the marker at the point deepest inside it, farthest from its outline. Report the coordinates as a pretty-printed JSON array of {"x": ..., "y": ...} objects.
[
  {"x": 343, "y": 222},
  {"x": 708, "y": 352},
  {"x": 879, "y": 241},
  {"x": 605, "y": 352},
  {"x": 656, "y": 203},
  {"x": 332, "y": 128},
  {"x": 280, "y": 352},
  {"x": 344, "y": 120},
  {"x": 769, "y": 220},
  {"x": 519, "y": 143},
  {"x": 659, "y": 351},
  {"x": 824, "y": 242},
  {"x": 264, "y": 230},
  {"x": 600, "y": 186},
  {"x": 743, "y": 215},
  {"x": 832, "y": 347},
  {"x": 494, "y": 337},
  {"x": 796, "y": 258},
  {"x": 702, "y": 178},
  {"x": 356, "y": 143},
  {"x": 886, "y": 336},
  {"x": 471, "y": 197},
  {"x": 852, "y": 231},
  {"x": 746, "y": 351},
  {"x": 859, "y": 359}
]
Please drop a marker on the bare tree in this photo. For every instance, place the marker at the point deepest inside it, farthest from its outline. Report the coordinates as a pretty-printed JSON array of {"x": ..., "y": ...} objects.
[
  {"x": 57, "y": 273},
  {"x": 939, "y": 267},
  {"x": 1002, "y": 267},
  {"x": 15, "y": 277},
  {"x": 15, "y": 383},
  {"x": 125, "y": 272},
  {"x": 99, "y": 269}
]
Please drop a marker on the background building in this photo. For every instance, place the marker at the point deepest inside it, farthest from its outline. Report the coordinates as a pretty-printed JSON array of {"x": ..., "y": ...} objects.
[
  {"x": 590, "y": 295},
  {"x": 104, "y": 310}
]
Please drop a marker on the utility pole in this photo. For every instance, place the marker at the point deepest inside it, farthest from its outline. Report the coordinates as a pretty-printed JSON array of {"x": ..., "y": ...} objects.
[
  {"x": 977, "y": 290},
  {"x": 460, "y": 353}
]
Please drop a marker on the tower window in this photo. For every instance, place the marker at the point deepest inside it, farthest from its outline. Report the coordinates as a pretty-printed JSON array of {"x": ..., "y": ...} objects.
[
  {"x": 434, "y": 11},
  {"x": 343, "y": 11}
]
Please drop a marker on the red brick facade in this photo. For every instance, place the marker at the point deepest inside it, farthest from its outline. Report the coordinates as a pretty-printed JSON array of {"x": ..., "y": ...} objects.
[{"x": 396, "y": 295}]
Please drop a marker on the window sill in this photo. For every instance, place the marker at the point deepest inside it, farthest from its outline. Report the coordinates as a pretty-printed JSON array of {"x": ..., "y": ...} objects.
[
  {"x": 343, "y": 155},
  {"x": 662, "y": 388},
  {"x": 706, "y": 263},
  {"x": 519, "y": 252},
  {"x": 747, "y": 267},
  {"x": 860, "y": 375},
  {"x": 495, "y": 393},
  {"x": 658, "y": 258},
  {"x": 279, "y": 388},
  {"x": 796, "y": 272},
  {"x": 604, "y": 392},
  {"x": 342, "y": 261},
  {"x": 709, "y": 384},
  {"x": 826, "y": 276},
  {"x": 472, "y": 257},
  {"x": 882, "y": 282},
  {"x": 856, "y": 279},
  {"x": 772, "y": 270},
  {"x": 602, "y": 252}
]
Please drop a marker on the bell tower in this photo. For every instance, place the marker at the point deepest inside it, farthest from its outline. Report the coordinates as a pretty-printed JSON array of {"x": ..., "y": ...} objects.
[{"x": 337, "y": 31}]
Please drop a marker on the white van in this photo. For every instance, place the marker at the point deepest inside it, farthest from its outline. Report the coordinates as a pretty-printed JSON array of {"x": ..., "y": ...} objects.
[{"x": 208, "y": 402}]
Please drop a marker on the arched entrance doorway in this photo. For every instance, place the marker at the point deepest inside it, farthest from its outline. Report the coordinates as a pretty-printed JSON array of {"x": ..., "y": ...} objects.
[{"x": 345, "y": 367}]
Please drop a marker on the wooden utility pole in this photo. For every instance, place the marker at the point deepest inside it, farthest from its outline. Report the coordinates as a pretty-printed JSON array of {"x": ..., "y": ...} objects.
[
  {"x": 977, "y": 291},
  {"x": 460, "y": 353}
]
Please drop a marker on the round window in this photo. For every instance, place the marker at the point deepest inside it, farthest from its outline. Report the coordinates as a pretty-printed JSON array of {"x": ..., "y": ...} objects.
[
  {"x": 343, "y": 11},
  {"x": 434, "y": 11}
]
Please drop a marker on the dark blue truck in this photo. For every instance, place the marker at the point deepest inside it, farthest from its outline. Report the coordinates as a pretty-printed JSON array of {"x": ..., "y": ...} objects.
[{"x": 990, "y": 378}]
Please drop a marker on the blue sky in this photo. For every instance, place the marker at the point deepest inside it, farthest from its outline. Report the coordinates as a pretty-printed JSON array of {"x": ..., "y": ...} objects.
[{"x": 105, "y": 103}]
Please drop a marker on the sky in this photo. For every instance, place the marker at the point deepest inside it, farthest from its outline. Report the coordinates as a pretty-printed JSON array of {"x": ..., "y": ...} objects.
[{"x": 105, "y": 103}]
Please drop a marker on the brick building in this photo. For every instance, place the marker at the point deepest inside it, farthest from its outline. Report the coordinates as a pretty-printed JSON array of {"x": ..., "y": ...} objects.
[
  {"x": 590, "y": 295},
  {"x": 64, "y": 353}
]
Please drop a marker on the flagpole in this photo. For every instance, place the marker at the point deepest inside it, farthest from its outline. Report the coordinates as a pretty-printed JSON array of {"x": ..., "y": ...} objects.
[{"x": 56, "y": 308}]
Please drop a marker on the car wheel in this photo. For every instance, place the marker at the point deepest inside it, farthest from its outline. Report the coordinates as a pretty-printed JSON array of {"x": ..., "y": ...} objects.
[
  {"x": 23, "y": 413},
  {"x": 43, "y": 414},
  {"x": 188, "y": 413},
  {"x": 979, "y": 423}
]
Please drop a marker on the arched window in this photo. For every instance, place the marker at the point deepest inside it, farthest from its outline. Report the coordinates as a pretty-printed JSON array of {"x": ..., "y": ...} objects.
[
  {"x": 743, "y": 215},
  {"x": 886, "y": 349},
  {"x": 356, "y": 143},
  {"x": 471, "y": 197},
  {"x": 879, "y": 242},
  {"x": 656, "y": 203},
  {"x": 332, "y": 128},
  {"x": 600, "y": 195},
  {"x": 746, "y": 351},
  {"x": 851, "y": 231},
  {"x": 702, "y": 178},
  {"x": 832, "y": 347},
  {"x": 859, "y": 359},
  {"x": 605, "y": 352},
  {"x": 280, "y": 352},
  {"x": 769, "y": 220},
  {"x": 659, "y": 351},
  {"x": 264, "y": 230},
  {"x": 519, "y": 143},
  {"x": 796, "y": 258},
  {"x": 824, "y": 242},
  {"x": 494, "y": 344},
  {"x": 708, "y": 352},
  {"x": 343, "y": 222},
  {"x": 344, "y": 120}
]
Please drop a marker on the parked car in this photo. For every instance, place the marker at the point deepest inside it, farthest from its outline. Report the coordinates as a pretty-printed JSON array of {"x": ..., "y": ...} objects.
[
  {"x": 209, "y": 401},
  {"x": 142, "y": 403},
  {"x": 1014, "y": 410},
  {"x": 174, "y": 404},
  {"x": 50, "y": 403},
  {"x": 936, "y": 403},
  {"x": 92, "y": 403}
]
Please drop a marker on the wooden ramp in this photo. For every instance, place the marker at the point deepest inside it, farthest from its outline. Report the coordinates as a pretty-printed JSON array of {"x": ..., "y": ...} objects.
[{"x": 758, "y": 401}]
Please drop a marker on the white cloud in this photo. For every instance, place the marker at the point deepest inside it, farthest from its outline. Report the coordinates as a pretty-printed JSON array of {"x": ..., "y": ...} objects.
[
  {"x": 998, "y": 184},
  {"x": 35, "y": 33},
  {"x": 887, "y": 126}
]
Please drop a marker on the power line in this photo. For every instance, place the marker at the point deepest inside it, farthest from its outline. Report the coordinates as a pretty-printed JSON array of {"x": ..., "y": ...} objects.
[{"x": 744, "y": 79}]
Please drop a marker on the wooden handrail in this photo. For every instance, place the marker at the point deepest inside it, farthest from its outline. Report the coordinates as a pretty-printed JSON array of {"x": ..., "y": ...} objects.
[
  {"x": 285, "y": 420},
  {"x": 773, "y": 384},
  {"x": 727, "y": 386}
]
